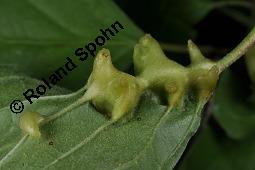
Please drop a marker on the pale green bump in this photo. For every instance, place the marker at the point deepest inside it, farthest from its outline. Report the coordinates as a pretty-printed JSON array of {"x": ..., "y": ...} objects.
[
  {"x": 117, "y": 93},
  {"x": 167, "y": 76},
  {"x": 148, "y": 55},
  {"x": 161, "y": 73},
  {"x": 110, "y": 90},
  {"x": 195, "y": 54},
  {"x": 203, "y": 73},
  {"x": 29, "y": 123}
]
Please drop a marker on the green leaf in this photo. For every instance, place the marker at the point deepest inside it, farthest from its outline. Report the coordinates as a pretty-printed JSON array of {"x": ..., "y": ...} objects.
[
  {"x": 185, "y": 8},
  {"x": 179, "y": 17},
  {"x": 212, "y": 151},
  {"x": 13, "y": 85},
  {"x": 85, "y": 139},
  {"x": 39, "y": 35},
  {"x": 234, "y": 112}
]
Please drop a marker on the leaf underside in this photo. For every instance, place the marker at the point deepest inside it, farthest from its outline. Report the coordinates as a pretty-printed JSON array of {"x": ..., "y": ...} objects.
[{"x": 152, "y": 139}]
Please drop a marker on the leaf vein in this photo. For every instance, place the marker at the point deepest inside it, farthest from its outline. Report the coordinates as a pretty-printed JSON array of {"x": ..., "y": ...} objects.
[
  {"x": 148, "y": 144},
  {"x": 85, "y": 141},
  {"x": 22, "y": 140}
]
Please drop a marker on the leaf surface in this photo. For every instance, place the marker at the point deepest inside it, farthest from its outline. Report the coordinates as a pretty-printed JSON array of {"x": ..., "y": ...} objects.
[
  {"x": 39, "y": 35},
  {"x": 84, "y": 139}
]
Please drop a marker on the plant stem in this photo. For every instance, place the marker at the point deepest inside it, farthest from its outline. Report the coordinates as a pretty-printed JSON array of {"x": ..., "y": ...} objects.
[{"x": 237, "y": 52}]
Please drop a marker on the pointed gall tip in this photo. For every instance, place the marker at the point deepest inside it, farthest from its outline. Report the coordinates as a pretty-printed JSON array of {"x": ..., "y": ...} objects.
[
  {"x": 104, "y": 52},
  {"x": 145, "y": 39},
  {"x": 191, "y": 44}
]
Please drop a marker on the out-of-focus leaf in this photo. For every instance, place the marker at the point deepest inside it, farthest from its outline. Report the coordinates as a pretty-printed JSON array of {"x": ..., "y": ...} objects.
[
  {"x": 190, "y": 11},
  {"x": 212, "y": 151},
  {"x": 179, "y": 17},
  {"x": 250, "y": 61},
  {"x": 39, "y": 35},
  {"x": 234, "y": 112}
]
